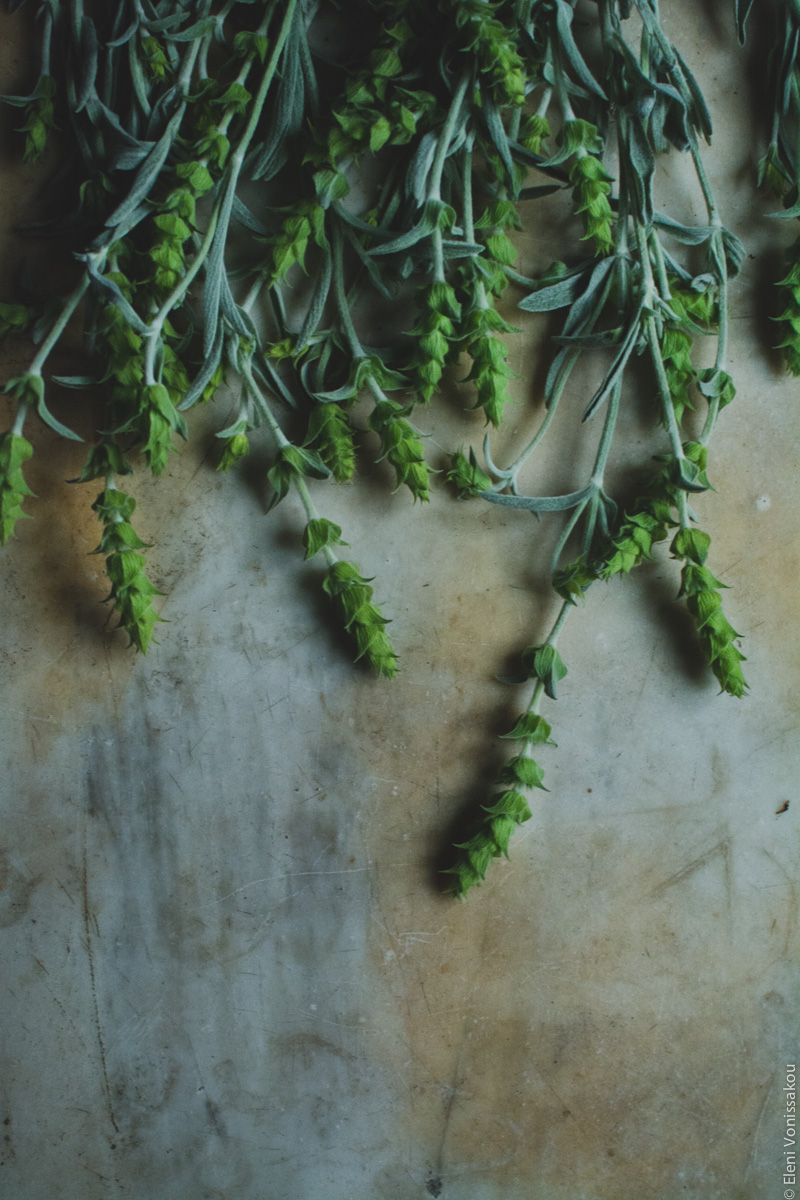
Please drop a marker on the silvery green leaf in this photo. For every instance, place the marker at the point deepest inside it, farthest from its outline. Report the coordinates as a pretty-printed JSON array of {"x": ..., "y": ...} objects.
[
  {"x": 497, "y": 132},
  {"x": 538, "y": 504},
  {"x": 160, "y": 24},
  {"x": 113, "y": 293},
  {"x": 266, "y": 371},
  {"x": 199, "y": 29},
  {"x": 366, "y": 259},
  {"x": 589, "y": 303},
  {"x": 76, "y": 381},
  {"x": 455, "y": 249},
  {"x": 236, "y": 316},
  {"x": 419, "y": 168},
  {"x": 687, "y": 235},
  {"x": 215, "y": 271},
  {"x": 243, "y": 215},
  {"x": 287, "y": 116},
  {"x": 617, "y": 368},
  {"x": 355, "y": 222},
  {"x": 558, "y": 295},
  {"x": 702, "y": 117},
  {"x": 346, "y": 392},
  {"x": 19, "y": 101},
  {"x": 405, "y": 241},
  {"x": 148, "y": 173},
  {"x": 317, "y": 306},
  {"x": 203, "y": 378},
  {"x": 127, "y": 158},
  {"x": 88, "y": 62},
  {"x": 564, "y": 14},
  {"x": 241, "y": 425},
  {"x": 138, "y": 78},
  {"x": 123, "y": 37}
]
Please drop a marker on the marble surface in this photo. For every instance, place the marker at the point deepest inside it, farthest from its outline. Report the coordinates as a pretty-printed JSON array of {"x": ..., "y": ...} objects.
[{"x": 228, "y": 971}]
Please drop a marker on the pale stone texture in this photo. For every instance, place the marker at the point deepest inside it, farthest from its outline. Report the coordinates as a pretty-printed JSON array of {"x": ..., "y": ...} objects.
[{"x": 228, "y": 970}]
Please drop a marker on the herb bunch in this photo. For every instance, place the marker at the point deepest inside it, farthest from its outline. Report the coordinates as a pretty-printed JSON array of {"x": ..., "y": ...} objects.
[{"x": 241, "y": 196}]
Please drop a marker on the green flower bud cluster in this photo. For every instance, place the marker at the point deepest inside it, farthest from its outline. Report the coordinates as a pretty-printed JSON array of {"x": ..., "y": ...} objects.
[
  {"x": 646, "y": 525},
  {"x": 105, "y": 459},
  {"x": 772, "y": 174},
  {"x": 361, "y": 617},
  {"x": 700, "y": 588},
  {"x": 294, "y": 462},
  {"x": 330, "y": 434},
  {"x": 131, "y": 590},
  {"x": 489, "y": 42},
  {"x": 250, "y": 44},
  {"x": 401, "y": 447},
  {"x": 493, "y": 225},
  {"x": 289, "y": 246},
  {"x": 371, "y": 117},
  {"x": 467, "y": 476},
  {"x": 167, "y": 254},
  {"x": 507, "y": 810},
  {"x": 321, "y": 534},
  {"x": 694, "y": 311},
  {"x": 591, "y": 183},
  {"x": 533, "y": 131},
  {"x": 570, "y": 582},
  {"x": 158, "y": 419},
  {"x": 14, "y": 318},
  {"x": 789, "y": 319},
  {"x": 195, "y": 180},
  {"x": 436, "y": 337},
  {"x": 14, "y": 450},
  {"x": 155, "y": 60},
  {"x": 39, "y": 119},
  {"x": 490, "y": 371},
  {"x": 234, "y": 449}
]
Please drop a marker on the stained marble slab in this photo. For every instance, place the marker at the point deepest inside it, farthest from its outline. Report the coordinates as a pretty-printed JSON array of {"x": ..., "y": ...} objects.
[{"x": 229, "y": 972}]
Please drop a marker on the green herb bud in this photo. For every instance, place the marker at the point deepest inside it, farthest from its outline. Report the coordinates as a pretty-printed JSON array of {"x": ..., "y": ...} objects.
[
  {"x": 236, "y": 447},
  {"x": 590, "y": 187},
  {"x": 352, "y": 597},
  {"x": 131, "y": 590},
  {"x": 467, "y": 476},
  {"x": 330, "y": 434},
  {"x": 401, "y": 447},
  {"x": 544, "y": 663},
  {"x": 14, "y": 451},
  {"x": 320, "y": 533}
]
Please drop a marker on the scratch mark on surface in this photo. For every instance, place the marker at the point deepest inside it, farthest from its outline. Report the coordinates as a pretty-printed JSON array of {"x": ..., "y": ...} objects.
[
  {"x": 290, "y": 875},
  {"x": 87, "y": 924},
  {"x": 754, "y": 1139},
  {"x": 722, "y": 847}
]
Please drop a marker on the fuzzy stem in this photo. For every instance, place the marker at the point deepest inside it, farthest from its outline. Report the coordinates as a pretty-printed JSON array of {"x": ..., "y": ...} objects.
[{"x": 58, "y": 326}]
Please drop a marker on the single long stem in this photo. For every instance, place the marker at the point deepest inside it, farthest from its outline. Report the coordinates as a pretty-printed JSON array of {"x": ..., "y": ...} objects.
[{"x": 58, "y": 326}]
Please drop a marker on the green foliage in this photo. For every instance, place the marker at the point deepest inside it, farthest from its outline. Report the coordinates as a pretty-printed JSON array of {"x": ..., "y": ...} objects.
[
  {"x": 352, "y": 598},
  {"x": 330, "y": 434},
  {"x": 131, "y": 590},
  {"x": 508, "y": 810},
  {"x": 319, "y": 534},
  {"x": 435, "y": 337},
  {"x": 14, "y": 451},
  {"x": 401, "y": 447},
  {"x": 701, "y": 591},
  {"x": 466, "y": 475}
]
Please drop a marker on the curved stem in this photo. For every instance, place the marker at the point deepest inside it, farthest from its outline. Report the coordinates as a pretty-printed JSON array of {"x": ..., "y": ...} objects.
[{"x": 71, "y": 303}]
